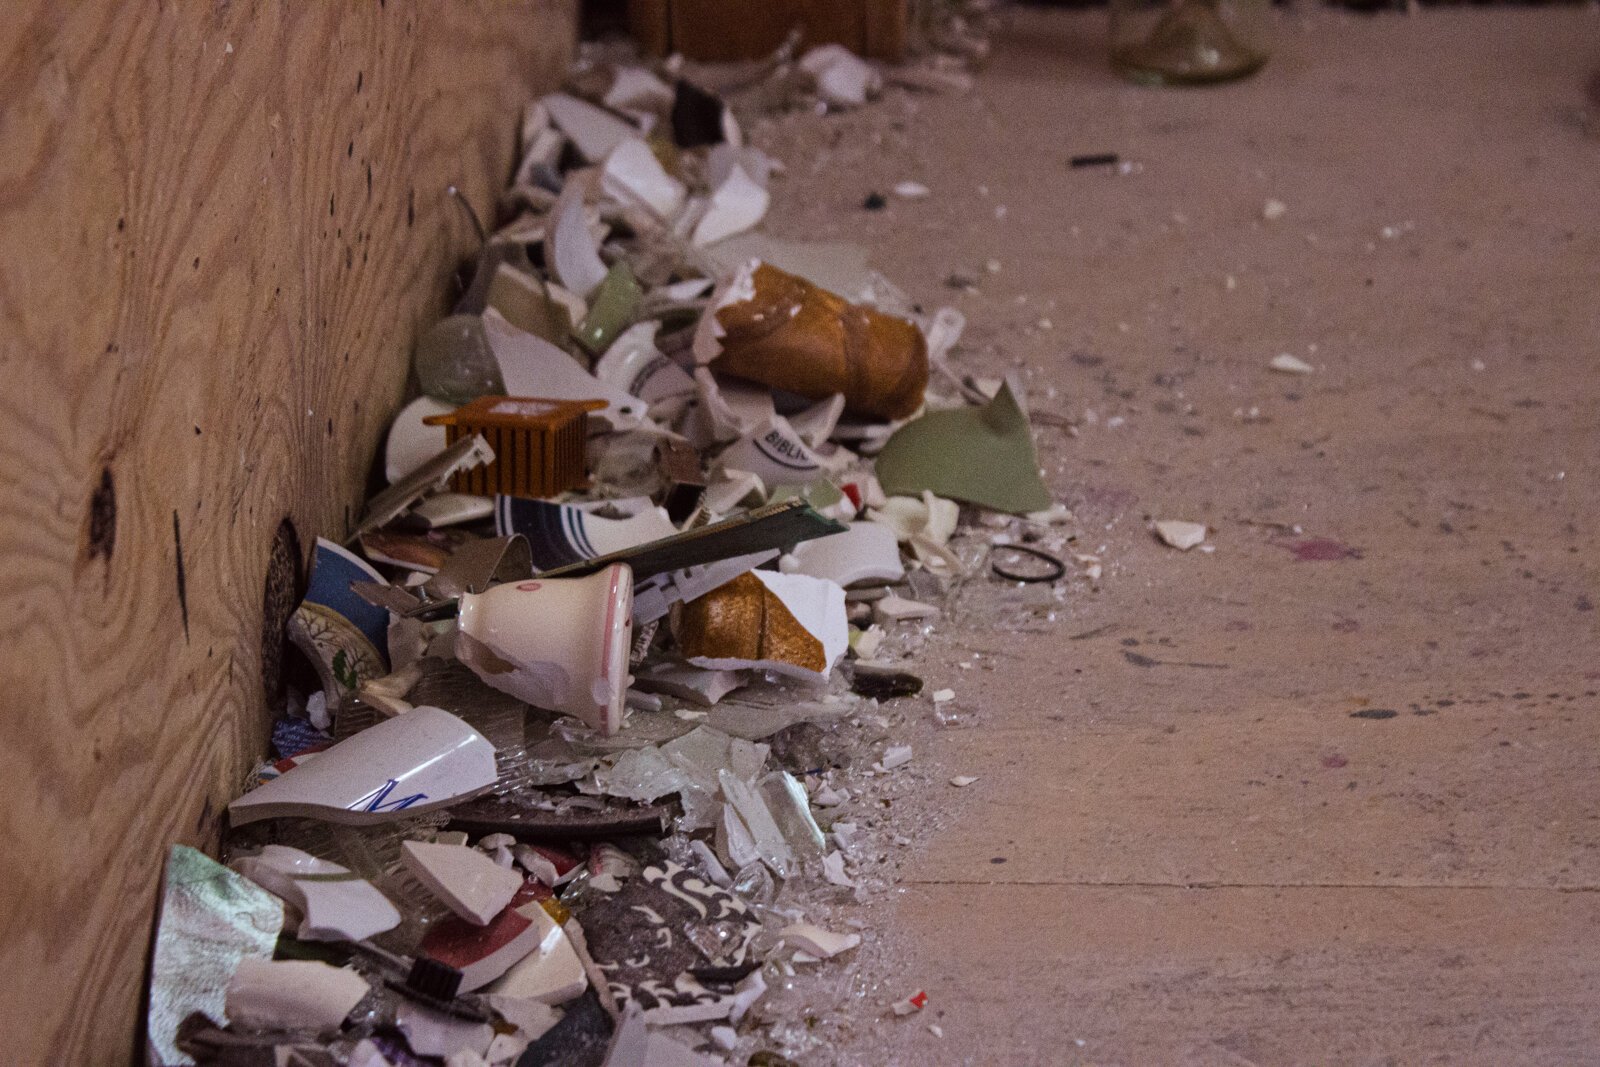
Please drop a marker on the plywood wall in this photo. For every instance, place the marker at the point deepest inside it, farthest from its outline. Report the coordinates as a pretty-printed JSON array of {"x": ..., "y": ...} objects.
[{"x": 221, "y": 225}]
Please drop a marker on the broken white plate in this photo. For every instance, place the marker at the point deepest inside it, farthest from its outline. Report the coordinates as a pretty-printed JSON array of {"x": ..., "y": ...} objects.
[
  {"x": 843, "y": 79},
  {"x": 635, "y": 365},
  {"x": 336, "y": 904},
  {"x": 694, "y": 684},
  {"x": 815, "y": 424},
  {"x": 722, "y": 158},
  {"x": 560, "y": 644},
  {"x": 482, "y": 953},
  {"x": 418, "y": 762},
  {"x": 737, "y": 205},
  {"x": 552, "y": 973},
  {"x": 594, "y": 131},
  {"x": 430, "y": 1032},
  {"x": 633, "y": 176},
  {"x": 729, "y": 408},
  {"x": 474, "y": 886},
  {"x": 730, "y": 488},
  {"x": 638, "y": 89},
  {"x": 292, "y": 995},
  {"x": 569, "y": 247},
  {"x": 1181, "y": 535},
  {"x": 865, "y": 551},
  {"x": 823, "y": 944},
  {"x": 775, "y": 452},
  {"x": 411, "y": 441},
  {"x": 533, "y": 367}
]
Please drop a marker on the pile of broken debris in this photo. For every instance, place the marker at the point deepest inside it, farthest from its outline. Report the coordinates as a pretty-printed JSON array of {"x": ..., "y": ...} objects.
[{"x": 598, "y": 676}]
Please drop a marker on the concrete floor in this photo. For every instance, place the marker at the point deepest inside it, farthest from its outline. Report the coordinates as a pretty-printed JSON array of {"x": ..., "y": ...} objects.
[{"x": 1245, "y": 807}]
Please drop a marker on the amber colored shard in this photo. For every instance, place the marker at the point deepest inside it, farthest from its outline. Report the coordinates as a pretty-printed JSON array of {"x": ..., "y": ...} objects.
[
  {"x": 791, "y": 335},
  {"x": 745, "y": 620}
]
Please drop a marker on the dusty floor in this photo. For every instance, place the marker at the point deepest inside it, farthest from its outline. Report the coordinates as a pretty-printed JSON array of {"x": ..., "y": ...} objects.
[{"x": 1247, "y": 807}]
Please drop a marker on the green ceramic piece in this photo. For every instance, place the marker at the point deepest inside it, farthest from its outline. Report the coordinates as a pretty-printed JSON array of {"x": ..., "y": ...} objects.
[
  {"x": 614, "y": 308},
  {"x": 981, "y": 456}
]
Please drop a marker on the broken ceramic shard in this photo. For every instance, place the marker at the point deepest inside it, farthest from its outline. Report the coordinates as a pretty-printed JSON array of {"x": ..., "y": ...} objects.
[
  {"x": 895, "y": 756},
  {"x": 638, "y": 89},
  {"x": 595, "y": 131},
  {"x": 789, "y": 623},
  {"x": 694, "y": 684},
  {"x": 866, "y": 551},
  {"x": 559, "y": 534},
  {"x": 655, "y": 910},
  {"x": 430, "y": 1032},
  {"x": 453, "y": 361},
  {"x": 292, "y": 995},
  {"x": 729, "y": 408},
  {"x": 418, "y": 762},
  {"x": 961, "y": 781},
  {"x": 635, "y": 365},
  {"x": 633, "y": 176},
  {"x": 1289, "y": 364},
  {"x": 212, "y": 920},
  {"x": 1180, "y": 534},
  {"x": 893, "y": 609},
  {"x": 474, "y": 886},
  {"x": 784, "y": 332},
  {"x": 842, "y": 78},
  {"x": 820, "y": 943},
  {"x": 533, "y": 367},
  {"x": 774, "y": 453},
  {"x": 335, "y": 904},
  {"x": 738, "y": 204},
  {"x": 527, "y": 303},
  {"x": 815, "y": 424},
  {"x": 411, "y": 441},
  {"x": 432, "y": 476},
  {"x": 569, "y": 248},
  {"x": 615, "y": 307},
  {"x": 482, "y": 953},
  {"x": 559, "y": 644},
  {"x": 983, "y": 456},
  {"x": 345, "y": 637},
  {"x": 551, "y": 973}
]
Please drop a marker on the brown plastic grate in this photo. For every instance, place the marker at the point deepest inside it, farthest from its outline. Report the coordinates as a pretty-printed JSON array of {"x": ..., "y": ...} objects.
[{"x": 538, "y": 444}]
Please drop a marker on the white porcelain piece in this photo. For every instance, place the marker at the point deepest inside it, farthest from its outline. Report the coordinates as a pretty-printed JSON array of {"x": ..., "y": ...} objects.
[
  {"x": 336, "y": 904},
  {"x": 694, "y": 684},
  {"x": 552, "y": 972},
  {"x": 866, "y": 551},
  {"x": 570, "y": 248},
  {"x": 292, "y": 995},
  {"x": 532, "y": 366},
  {"x": 738, "y": 203},
  {"x": 635, "y": 365},
  {"x": 412, "y": 442},
  {"x": 776, "y": 452},
  {"x": 633, "y": 176},
  {"x": 409, "y": 765},
  {"x": 431, "y": 1032},
  {"x": 560, "y": 644},
  {"x": 593, "y": 130},
  {"x": 474, "y": 886},
  {"x": 821, "y": 943}
]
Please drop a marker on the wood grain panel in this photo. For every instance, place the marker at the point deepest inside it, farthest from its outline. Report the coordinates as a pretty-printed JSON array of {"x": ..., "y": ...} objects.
[{"x": 220, "y": 228}]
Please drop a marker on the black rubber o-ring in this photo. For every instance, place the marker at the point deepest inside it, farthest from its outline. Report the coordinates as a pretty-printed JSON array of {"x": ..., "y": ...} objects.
[{"x": 1059, "y": 571}]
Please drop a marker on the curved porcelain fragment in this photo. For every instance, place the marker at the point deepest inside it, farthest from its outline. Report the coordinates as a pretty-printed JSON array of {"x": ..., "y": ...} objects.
[
  {"x": 418, "y": 762},
  {"x": 471, "y": 884},
  {"x": 635, "y": 365},
  {"x": 569, "y": 248},
  {"x": 776, "y": 452},
  {"x": 412, "y": 443},
  {"x": 867, "y": 551},
  {"x": 533, "y": 367},
  {"x": 633, "y": 176},
  {"x": 552, "y": 972},
  {"x": 560, "y": 644},
  {"x": 737, "y": 205},
  {"x": 729, "y": 408},
  {"x": 292, "y": 995},
  {"x": 593, "y": 130},
  {"x": 337, "y": 904}
]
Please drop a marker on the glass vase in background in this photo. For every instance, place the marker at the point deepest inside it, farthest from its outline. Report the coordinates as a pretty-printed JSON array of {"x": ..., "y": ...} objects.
[{"x": 1189, "y": 42}]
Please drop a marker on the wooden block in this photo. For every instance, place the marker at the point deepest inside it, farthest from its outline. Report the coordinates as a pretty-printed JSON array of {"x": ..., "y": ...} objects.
[{"x": 220, "y": 229}]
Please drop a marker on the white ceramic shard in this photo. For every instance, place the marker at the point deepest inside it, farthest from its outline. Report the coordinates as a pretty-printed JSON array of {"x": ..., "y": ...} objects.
[
  {"x": 452, "y": 509},
  {"x": 961, "y": 781},
  {"x": 474, "y": 886},
  {"x": 336, "y": 904},
  {"x": 412, "y": 442},
  {"x": 739, "y": 288},
  {"x": 292, "y": 995},
  {"x": 833, "y": 867},
  {"x": 635, "y": 365},
  {"x": 895, "y": 756},
  {"x": 911, "y": 190},
  {"x": 569, "y": 247},
  {"x": 731, "y": 489},
  {"x": 560, "y": 644},
  {"x": 482, "y": 953},
  {"x": 1180, "y": 534},
  {"x": 638, "y": 89},
  {"x": 776, "y": 452},
  {"x": 737, "y": 205},
  {"x": 418, "y": 762},
  {"x": 633, "y": 176},
  {"x": 430, "y": 1032},
  {"x": 533, "y": 367},
  {"x": 893, "y": 608},
  {"x": 731, "y": 408},
  {"x": 866, "y": 551},
  {"x": 694, "y": 684},
  {"x": 552, "y": 972},
  {"x": 531, "y": 1017},
  {"x": 842, "y": 78},
  {"x": 815, "y": 424},
  {"x": 823, "y": 944},
  {"x": 722, "y": 158},
  {"x": 1289, "y": 364},
  {"x": 593, "y": 130},
  {"x": 818, "y": 606}
]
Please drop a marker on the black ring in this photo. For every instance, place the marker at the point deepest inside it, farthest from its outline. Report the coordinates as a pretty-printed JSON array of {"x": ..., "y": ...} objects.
[{"x": 1011, "y": 576}]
